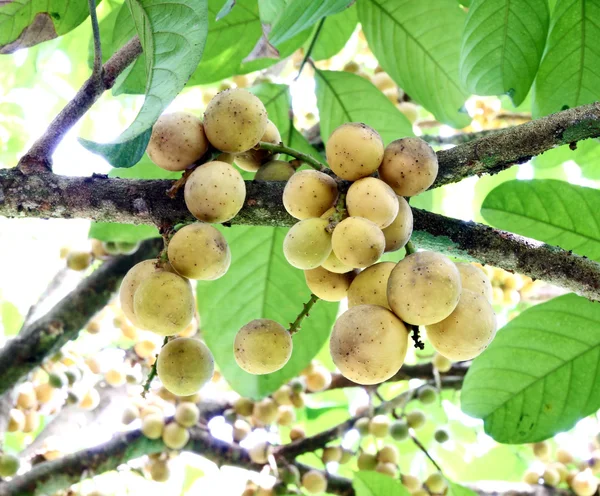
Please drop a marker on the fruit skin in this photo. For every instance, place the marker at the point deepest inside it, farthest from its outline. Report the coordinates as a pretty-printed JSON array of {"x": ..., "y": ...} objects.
[
  {"x": 409, "y": 166},
  {"x": 184, "y": 365},
  {"x": 333, "y": 264},
  {"x": 379, "y": 426},
  {"x": 427, "y": 395},
  {"x": 262, "y": 346},
  {"x": 328, "y": 286},
  {"x": 215, "y": 192},
  {"x": 153, "y": 426},
  {"x": 474, "y": 279},
  {"x": 252, "y": 159},
  {"x": 286, "y": 415},
  {"x": 307, "y": 244},
  {"x": 187, "y": 414},
  {"x": 362, "y": 426},
  {"x": 174, "y": 436},
  {"x": 314, "y": 482},
  {"x": 354, "y": 150},
  {"x": 551, "y": 477},
  {"x": 318, "y": 379},
  {"x": 436, "y": 483},
  {"x": 398, "y": 233},
  {"x": 368, "y": 344},
  {"x": 235, "y": 120},
  {"x": 424, "y": 288},
  {"x": 441, "y": 363},
  {"x": 159, "y": 471},
  {"x": 9, "y": 465},
  {"x": 388, "y": 454},
  {"x": 584, "y": 483},
  {"x": 177, "y": 141},
  {"x": 399, "y": 430},
  {"x": 309, "y": 193},
  {"x": 296, "y": 433},
  {"x": 372, "y": 199},
  {"x": 275, "y": 170},
  {"x": 531, "y": 477},
  {"x": 388, "y": 469},
  {"x": 259, "y": 453},
  {"x": 164, "y": 303},
  {"x": 541, "y": 450},
  {"x": 79, "y": 260},
  {"x": 467, "y": 331},
  {"x": 130, "y": 413},
  {"x": 199, "y": 251},
  {"x": 332, "y": 454},
  {"x": 370, "y": 286},
  {"x": 357, "y": 242},
  {"x": 243, "y": 406},
  {"x": 366, "y": 461},
  {"x": 441, "y": 436},
  {"x": 16, "y": 420},
  {"x": 416, "y": 419}
]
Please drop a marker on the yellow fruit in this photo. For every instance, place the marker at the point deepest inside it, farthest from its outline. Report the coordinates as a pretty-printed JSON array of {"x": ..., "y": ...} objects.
[
  {"x": 296, "y": 433},
  {"x": 388, "y": 469},
  {"x": 314, "y": 482},
  {"x": 388, "y": 454},
  {"x": 93, "y": 365},
  {"x": 235, "y": 120},
  {"x": 262, "y": 346},
  {"x": 26, "y": 397},
  {"x": 366, "y": 461},
  {"x": 286, "y": 416},
  {"x": 307, "y": 244},
  {"x": 129, "y": 331},
  {"x": 93, "y": 327},
  {"x": 114, "y": 377},
  {"x": 354, "y": 150},
  {"x": 531, "y": 477},
  {"x": 199, "y": 251},
  {"x": 309, "y": 193},
  {"x": 424, "y": 288},
  {"x": 177, "y": 141},
  {"x": 174, "y": 436},
  {"x": 584, "y": 483},
  {"x": 243, "y": 406},
  {"x": 541, "y": 450},
  {"x": 184, "y": 365},
  {"x": 409, "y": 166},
  {"x": 328, "y": 286},
  {"x": 145, "y": 348},
  {"x": 265, "y": 411},
  {"x": 241, "y": 429},
  {"x": 259, "y": 453},
  {"x": 333, "y": 264},
  {"x": 252, "y": 159},
  {"x": 131, "y": 283},
  {"x": 44, "y": 392},
  {"x": 79, "y": 260},
  {"x": 318, "y": 380},
  {"x": 474, "y": 279},
  {"x": 416, "y": 419},
  {"x": 357, "y": 242},
  {"x": 551, "y": 477},
  {"x": 153, "y": 426},
  {"x": 410, "y": 111},
  {"x": 159, "y": 471},
  {"x": 275, "y": 170},
  {"x": 441, "y": 363},
  {"x": 187, "y": 414},
  {"x": 374, "y": 200},
  {"x": 32, "y": 421},
  {"x": 562, "y": 455},
  {"x": 370, "y": 286},
  {"x": 332, "y": 454},
  {"x": 130, "y": 414},
  {"x": 379, "y": 426},
  {"x": 282, "y": 395},
  {"x": 398, "y": 233},
  {"x": 9, "y": 465},
  {"x": 383, "y": 81},
  {"x": 90, "y": 400},
  {"x": 215, "y": 192},
  {"x": 436, "y": 483},
  {"x": 411, "y": 482}
]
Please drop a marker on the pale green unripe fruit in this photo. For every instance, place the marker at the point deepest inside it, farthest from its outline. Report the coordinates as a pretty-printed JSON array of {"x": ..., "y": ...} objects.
[
  {"x": 307, "y": 244},
  {"x": 275, "y": 170},
  {"x": 177, "y": 141},
  {"x": 379, "y": 426},
  {"x": 174, "y": 436},
  {"x": 388, "y": 454},
  {"x": 409, "y": 166},
  {"x": 265, "y": 411},
  {"x": 441, "y": 436},
  {"x": 398, "y": 233},
  {"x": 399, "y": 430},
  {"x": 416, "y": 419},
  {"x": 368, "y": 344},
  {"x": 164, "y": 303},
  {"x": 187, "y": 414},
  {"x": 251, "y": 160},
  {"x": 467, "y": 331},
  {"x": 410, "y": 482},
  {"x": 215, "y": 192},
  {"x": 370, "y": 286},
  {"x": 262, "y": 346},
  {"x": 314, "y": 482},
  {"x": 427, "y": 395},
  {"x": 441, "y": 363},
  {"x": 153, "y": 425},
  {"x": 328, "y": 286},
  {"x": 331, "y": 454},
  {"x": 388, "y": 469},
  {"x": 474, "y": 279},
  {"x": 9, "y": 465},
  {"x": 259, "y": 453},
  {"x": 309, "y": 193},
  {"x": 436, "y": 483},
  {"x": 357, "y": 242},
  {"x": 235, "y": 120},
  {"x": 354, "y": 150},
  {"x": 424, "y": 288},
  {"x": 372, "y": 199},
  {"x": 366, "y": 461},
  {"x": 199, "y": 251},
  {"x": 184, "y": 365},
  {"x": 79, "y": 260},
  {"x": 159, "y": 471}
]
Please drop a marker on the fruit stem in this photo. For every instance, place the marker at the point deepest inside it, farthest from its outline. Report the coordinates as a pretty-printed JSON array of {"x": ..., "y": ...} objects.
[
  {"x": 152, "y": 373},
  {"x": 416, "y": 337},
  {"x": 295, "y": 326},
  {"x": 424, "y": 450},
  {"x": 340, "y": 213},
  {"x": 307, "y": 159},
  {"x": 410, "y": 248}
]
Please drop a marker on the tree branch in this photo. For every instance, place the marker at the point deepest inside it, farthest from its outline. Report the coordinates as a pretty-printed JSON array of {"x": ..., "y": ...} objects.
[
  {"x": 458, "y": 138},
  {"x": 49, "y": 333}
]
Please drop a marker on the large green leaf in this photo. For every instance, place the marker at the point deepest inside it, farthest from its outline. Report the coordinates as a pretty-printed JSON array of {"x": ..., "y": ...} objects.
[
  {"x": 458, "y": 490},
  {"x": 540, "y": 375},
  {"x": 586, "y": 156},
  {"x": 344, "y": 97},
  {"x": 26, "y": 23},
  {"x": 418, "y": 44},
  {"x": 173, "y": 35},
  {"x": 569, "y": 75},
  {"x": 335, "y": 33},
  {"x": 502, "y": 46},
  {"x": 376, "y": 484},
  {"x": 552, "y": 211},
  {"x": 260, "y": 284}
]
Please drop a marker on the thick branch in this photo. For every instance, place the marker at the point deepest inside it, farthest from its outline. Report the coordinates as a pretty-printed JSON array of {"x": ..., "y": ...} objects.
[{"x": 46, "y": 335}]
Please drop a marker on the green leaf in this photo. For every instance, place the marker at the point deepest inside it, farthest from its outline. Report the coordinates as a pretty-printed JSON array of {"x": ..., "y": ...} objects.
[
  {"x": 12, "y": 320},
  {"x": 540, "y": 375},
  {"x": 173, "y": 35},
  {"x": 300, "y": 15},
  {"x": 586, "y": 156},
  {"x": 502, "y": 46},
  {"x": 418, "y": 45},
  {"x": 226, "y": 9},
  {"x": 191, "y": 474},
  {"x": 335, "y": 33},
  {"x": 376, "y": 484},
  {"x": 29, "y": 22},
  {"x": 555, "y": 212},
  {"x": 260, "y": 284},
  {"x": 568, "y": 75},
  {"x": 344, "y": 97},
  {"x": 458, "y": 490}
]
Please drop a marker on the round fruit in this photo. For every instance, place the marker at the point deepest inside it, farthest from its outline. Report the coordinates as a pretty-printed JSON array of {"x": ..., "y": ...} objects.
[
  {"x": 366, "y": 461},
  {"x": 551, "y": 477},
  {"x": 416, "y": 419},
  {"x": 357, "y": 242},
  {"x": 130, "y": 414},
  {"x": 368, "y": 344},
  {"x": 79, "y": 260},
  {"x": 309, "y": 193},
  {"x": 399, "y": 430},
  {"x": 127, "y": 247},
  {"x": 187, "y": 414},
  {"x": 474, "y": 279},
  {"x": 32, "y": 421},
  {"x": 262, "y": 346},
  {"x": 26, "y": 397},
  {"x": 16, "y": 420},
  {"x": 409, "y": 166},
  {"x": 265, "y": 411},
  {"x": 259, "y": 453},
  {"x": 427, "y": 395},
  {"x": 307, "y": 244},
  {"x": 215, "y": 192},
  {"x": 241, "y": 429},
  {"x": 9, "y": 465},
  {"x": 44, "y": 392},
  {"x": 410, "y": 482},
  {"x": 441, "y": 363},
  {"x": 531, "y": 477},
  {"x": 333, "y": 264},
  {"x": 318, "y": 379},
  {"x": 370, "y": 286},
  {"x": 436, "y": 483},
  {"x": 354, "y": 150},
  {"x": 328, "y": 286},
  {"x": 332, "y": 454},
  {"x": 130, "y": 284},
  {"x": 90, "y": 399},
  {"x": 164, "y": 303},
  {"x": 235, "y": 120},
  {"x": 388, "y": 469},
  {"x": 563, "y": 456},
  {"x": 467, "y": 331},
  {"x": 296, "y": 433},
  {"x": 441, "y": 436},
  {"x": 424, "y": 288},
  {"x": 372, "y": 199},
  {"x": 541, "y": 450},
  {"x": 184, "y": 365},
  {"x": 174, "y": 436},
  {"x": 379, "y": 426},
  {"x": 584, "y": 483},
  {"x": 398, "y": 233},
  {"x": 388, "y": 454},
  {"x": 286, "y": 416},
  {"x": 282, "y": 395},
  {"x": 252, "y": 159},
  {"x": 243, "y": 407},
  {"x": 159, "y": 471},
  {"x": 153, "y": 425},
  {"x": 410, "y": 111},
  {"x": 177, "y": 141},
  {"x": 199, "y": 251},
  {"x": 114, "y": 377},
  {"x": 275, "y": 170},
  {"x": 362, "y": 426},
  {"x": 314, "y": 482}
]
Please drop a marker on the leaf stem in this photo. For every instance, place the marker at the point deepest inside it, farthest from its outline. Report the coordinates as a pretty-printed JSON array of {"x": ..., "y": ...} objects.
[
  {"x": 424, "y": 450},
  {"x": 307, "y": 159},
  {"x": 152, "y": 373},
  {"x": 410, "y": 248},
  {"x": 295, "y": 326},
  {"x": 97, "y": 71},
  {"x": 310, "y": 47}
]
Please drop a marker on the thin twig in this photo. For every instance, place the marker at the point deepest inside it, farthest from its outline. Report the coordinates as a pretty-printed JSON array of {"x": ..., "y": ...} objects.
[
  {"x": 307, "y": 159},
  {"x": 53, "y": 285},
  {"x": 152, "y": 373},
  {"x": 310, "y": 47},
  {"x": 97, "y": 71},
  {"x": 295, "y": 326},
  {"x": 424, "y": 450}
]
